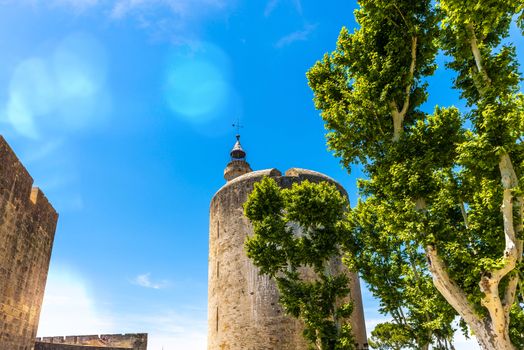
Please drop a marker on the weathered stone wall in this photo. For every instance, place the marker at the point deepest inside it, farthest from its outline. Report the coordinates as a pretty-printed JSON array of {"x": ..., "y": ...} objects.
[
  {"x": 135, "y": 341},
  {"x": 243, "y": 308},
  {"x": 27, "y": 228},
  {"x": 50, "y": 346}
]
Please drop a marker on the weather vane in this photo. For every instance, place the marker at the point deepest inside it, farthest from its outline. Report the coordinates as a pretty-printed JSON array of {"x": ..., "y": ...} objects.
[{"x": 238, "y": 126}]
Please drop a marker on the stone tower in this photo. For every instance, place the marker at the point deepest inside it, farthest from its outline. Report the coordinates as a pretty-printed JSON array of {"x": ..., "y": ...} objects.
[
  {"x": 27, "y": 229},
  {"x": 243, "y": 308}
]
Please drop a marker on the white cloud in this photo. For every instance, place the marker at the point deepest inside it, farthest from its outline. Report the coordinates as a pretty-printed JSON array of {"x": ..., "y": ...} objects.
[
  {"x": 299, "y": 35},
  {"x": 62, "y": 91},
  {"x": 144, "y": 280},
  {"x": 68, "y": 308}
]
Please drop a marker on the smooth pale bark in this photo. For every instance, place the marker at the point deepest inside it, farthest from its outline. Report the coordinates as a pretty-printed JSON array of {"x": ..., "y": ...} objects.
[
  {"x": 487, "y": 335},
  {"x": 512, "y": 230},
  {"x": 493, "y": 332},
  {"x": 476, "y": 53},
  {"x": 398, "y": 116}
]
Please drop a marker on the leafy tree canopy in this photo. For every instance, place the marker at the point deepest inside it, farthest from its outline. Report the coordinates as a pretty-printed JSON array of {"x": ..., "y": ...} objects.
[{"x": 445, "y": 185}]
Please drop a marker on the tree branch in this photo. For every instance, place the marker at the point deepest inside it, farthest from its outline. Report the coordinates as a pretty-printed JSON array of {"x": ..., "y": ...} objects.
[
  {"x": 464, "y": 214},
  {"x": 514, "y": 245},
  {"x": 476, "y": 52},
  {"x": 454, "y": 295},
  {"x": 411, "y": 75},
  {"x": 401, "y": 15},
  {"x": 398, "y": 116},
  {"x": 489, "y": 284}
]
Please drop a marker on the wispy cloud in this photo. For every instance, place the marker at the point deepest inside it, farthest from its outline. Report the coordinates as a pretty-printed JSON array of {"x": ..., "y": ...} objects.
[
  {"x": 68, "y": 307},
  {"x": 77, "y": 4},
  {"x": 270, "y": 6},
  {"x": 298, "y": 6},
  {"x": 171, "y": 329},
  {"x": 273, "y": 4},
  {"x": 299, "y": 35},
  {"x": 44, "y": 151},
  {"x": 145, "y": 281},
  {"x": 181, "y": 8},
  {"x": 179, "y": 21}
]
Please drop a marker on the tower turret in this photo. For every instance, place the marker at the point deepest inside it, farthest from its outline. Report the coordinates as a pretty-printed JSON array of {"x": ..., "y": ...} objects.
[
  {"x": 238, "y": 164},
  {"x": 243, "y": 306}
]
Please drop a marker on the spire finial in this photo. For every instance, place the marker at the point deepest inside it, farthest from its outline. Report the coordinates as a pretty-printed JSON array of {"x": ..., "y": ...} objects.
[
  {"x": 238, "y": 126},
  {"x": 238, "y": 165}
]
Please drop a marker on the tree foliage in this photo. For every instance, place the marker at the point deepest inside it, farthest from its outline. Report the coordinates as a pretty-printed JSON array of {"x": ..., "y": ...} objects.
[
  {"x": 296, "y": 241},
  {"x": 393, "y": 265},
  {"x": 443, "y": 187}
]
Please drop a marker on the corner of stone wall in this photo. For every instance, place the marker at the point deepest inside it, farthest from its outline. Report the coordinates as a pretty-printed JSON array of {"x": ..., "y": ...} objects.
[
  {"x": 47, "y": 215},
  {"x": 17, "y": 185},
  {"x": 15, "y": 181}
]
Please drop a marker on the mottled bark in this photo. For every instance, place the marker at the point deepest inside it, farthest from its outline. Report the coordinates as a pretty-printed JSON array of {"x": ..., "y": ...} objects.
[{"x": 398, "y": 116}]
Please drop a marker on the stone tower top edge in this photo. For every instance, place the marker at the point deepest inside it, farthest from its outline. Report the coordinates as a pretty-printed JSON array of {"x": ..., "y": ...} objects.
[
  {"x": 302, "y": 174},
  {"x": 16, "y": 182},
  {"x": 306, "y": 174}
]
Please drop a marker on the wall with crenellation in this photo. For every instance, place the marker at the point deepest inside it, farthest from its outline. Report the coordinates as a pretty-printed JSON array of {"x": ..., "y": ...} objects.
[
  {"x": 51, "y": 346},
  {"x": 27, "y": 229},
  {"x": 135, "y": 341}
]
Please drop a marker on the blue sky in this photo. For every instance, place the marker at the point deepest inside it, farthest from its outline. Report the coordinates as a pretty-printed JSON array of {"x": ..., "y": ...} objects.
[{"x": 122, "y": 111}]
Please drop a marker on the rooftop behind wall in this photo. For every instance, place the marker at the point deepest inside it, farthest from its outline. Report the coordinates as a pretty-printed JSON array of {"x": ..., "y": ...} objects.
[
  {"x": 27, "y": 229},
  {"x": 135, "y": 341}
]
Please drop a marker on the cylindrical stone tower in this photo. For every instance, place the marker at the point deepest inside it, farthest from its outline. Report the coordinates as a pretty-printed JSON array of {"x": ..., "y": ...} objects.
[{"x": 243, "y": 308}]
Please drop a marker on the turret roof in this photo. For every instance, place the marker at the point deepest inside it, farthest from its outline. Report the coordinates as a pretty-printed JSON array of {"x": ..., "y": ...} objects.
[{"x": 238, "y": 152}]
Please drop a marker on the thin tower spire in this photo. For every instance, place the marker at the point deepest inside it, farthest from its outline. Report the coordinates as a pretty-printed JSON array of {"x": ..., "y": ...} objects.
[{"x": 238, "y": 126}]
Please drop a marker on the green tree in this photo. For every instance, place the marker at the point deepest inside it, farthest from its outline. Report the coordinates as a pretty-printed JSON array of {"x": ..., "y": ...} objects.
[
  {"x": 449, "y": 181},
  {"x": 394, "y": 268},
  {"x": 391, "y": 336},
  {"x": 295, "y": 241}
]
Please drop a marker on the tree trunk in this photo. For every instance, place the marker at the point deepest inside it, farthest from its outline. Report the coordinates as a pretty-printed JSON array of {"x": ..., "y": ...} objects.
[
  {"x": 490, "y": 339},
  {"x": 491, "y": 333}
]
